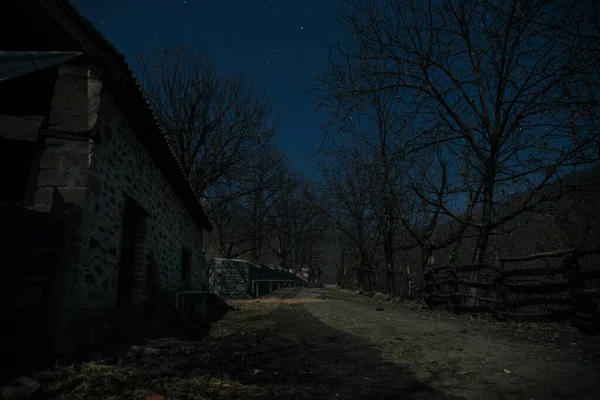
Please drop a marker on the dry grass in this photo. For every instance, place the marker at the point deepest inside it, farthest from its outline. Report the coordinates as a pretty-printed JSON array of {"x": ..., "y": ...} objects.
[
  {"x": 96, "y": 380},
  {"x": 184, "y": 369}
]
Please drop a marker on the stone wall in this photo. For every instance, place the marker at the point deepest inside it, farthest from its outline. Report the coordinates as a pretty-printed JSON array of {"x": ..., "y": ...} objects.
[
  {"x": 124, "y": 168},
  {"x": 232, "y": 279},
  {"x": 96, "y": 161}
]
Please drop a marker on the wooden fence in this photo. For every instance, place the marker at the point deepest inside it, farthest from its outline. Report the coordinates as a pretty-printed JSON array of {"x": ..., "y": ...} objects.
[{"x": 562, "y": 292}]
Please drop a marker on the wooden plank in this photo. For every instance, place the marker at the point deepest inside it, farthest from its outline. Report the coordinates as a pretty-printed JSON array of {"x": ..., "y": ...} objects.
[
  {"x": 480, "y": 285},
  {"x": 531, "y": 272},
  {"x": 464, "y": 295},
  {"x": 555, "y": 316},
  {"x": 475, "y": 309},
  {"x": 465, "y": 268},
  {"x": 586, "y": 293},
  {"x": 537, "y": 256},
  {"x": 548, "y": 288},
  {"x": 440, "y": 283},
  {"x": 536, "y": 300}
]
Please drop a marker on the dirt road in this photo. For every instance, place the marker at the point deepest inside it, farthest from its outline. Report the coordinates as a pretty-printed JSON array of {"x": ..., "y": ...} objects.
[{"x": 331, "y": 344}]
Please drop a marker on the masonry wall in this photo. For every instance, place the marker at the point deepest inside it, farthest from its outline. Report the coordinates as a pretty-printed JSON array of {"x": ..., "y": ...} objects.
[
  {"x": 124, "y": 168},
  {"x": 95, "y": 161},
  {"x": 232, "y": 279}
]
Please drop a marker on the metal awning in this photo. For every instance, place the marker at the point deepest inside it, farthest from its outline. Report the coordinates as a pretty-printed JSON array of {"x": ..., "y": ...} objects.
[{"x": 17, "y": 63}]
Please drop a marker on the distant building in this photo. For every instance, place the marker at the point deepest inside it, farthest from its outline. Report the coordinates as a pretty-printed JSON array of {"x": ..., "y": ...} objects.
[{"x": 302, "y": 276}]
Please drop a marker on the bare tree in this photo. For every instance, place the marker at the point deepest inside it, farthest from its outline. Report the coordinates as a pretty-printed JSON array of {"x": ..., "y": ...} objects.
[
  {"x": 351, "y": 205},
  {"x": 408, "y": 180},
  {"x": 216, "y": 121},
  {"x": 574, "y": 24},
  {"x": 295, "y": 219},
  {"x": 243, "y": 224},
  {"x": 507, "y": 108}
]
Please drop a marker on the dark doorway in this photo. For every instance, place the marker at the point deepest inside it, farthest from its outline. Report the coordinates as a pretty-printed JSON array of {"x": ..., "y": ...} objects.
[
  {"x": 132, "y": 238},
  {"x": 16, "y": 158},
  {"x": 186, "y": 268}
]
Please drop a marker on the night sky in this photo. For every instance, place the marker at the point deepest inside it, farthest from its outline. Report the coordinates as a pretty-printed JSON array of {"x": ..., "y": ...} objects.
[{"x": 283, "y": 44}]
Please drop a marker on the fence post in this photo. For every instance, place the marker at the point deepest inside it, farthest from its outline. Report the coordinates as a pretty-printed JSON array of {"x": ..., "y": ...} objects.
[
  {"x": 500, "y": 286},
  {"x": 577, "y": 282},
  {"x": 409, "y": 280},
  {"x": 270, "y": 286}
]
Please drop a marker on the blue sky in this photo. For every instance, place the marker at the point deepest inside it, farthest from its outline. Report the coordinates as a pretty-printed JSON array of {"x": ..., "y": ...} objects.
[{"x": 283, "y": 45}]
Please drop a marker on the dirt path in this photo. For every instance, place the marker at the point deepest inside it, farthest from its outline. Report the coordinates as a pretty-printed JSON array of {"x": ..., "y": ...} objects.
[
  {"x": 329, "y": 344},
  {"x": 474, "y": 362}
]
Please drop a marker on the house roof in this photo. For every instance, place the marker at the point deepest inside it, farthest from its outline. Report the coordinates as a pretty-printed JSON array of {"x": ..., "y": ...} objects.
[
  {"x": 139, "y": 111},
  {"x": 17, "y": 63}
]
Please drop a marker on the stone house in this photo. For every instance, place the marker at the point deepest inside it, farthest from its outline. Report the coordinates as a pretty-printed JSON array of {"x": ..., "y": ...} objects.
[{"x": 75, "y": 128}]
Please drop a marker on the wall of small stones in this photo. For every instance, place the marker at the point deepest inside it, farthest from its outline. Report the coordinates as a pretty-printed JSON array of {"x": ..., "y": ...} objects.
[
  {"x": 232, "y": 279},
  {"x": 99, "y": 175},
  {"x": 124, "y": 168}
]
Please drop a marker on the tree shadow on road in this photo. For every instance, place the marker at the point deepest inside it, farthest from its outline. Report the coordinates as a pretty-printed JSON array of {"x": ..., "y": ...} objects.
[
  {"x": 296, "y": 349},
  {"x": 281, "y": 353}
]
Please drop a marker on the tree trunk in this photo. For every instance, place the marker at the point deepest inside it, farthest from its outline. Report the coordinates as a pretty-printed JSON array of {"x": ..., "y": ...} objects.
[
  {"x": 390, "y": 278},
  {"x": 426, "y": 253},
  {"x": 483, "y": 237},
  {"x": 388, "y": 250}
]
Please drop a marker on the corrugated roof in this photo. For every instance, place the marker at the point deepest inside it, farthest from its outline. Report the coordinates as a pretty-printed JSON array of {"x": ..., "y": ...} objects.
[{"x": 132, "y": 85}]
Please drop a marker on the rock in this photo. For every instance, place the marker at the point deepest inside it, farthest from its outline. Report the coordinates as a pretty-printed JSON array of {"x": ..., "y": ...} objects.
[
  {"x": 380, "y": 297},
  {"x": 23, "y": 388},
  {"x": 142, "y": 350},
  {"x": 379, "y": 309}
]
